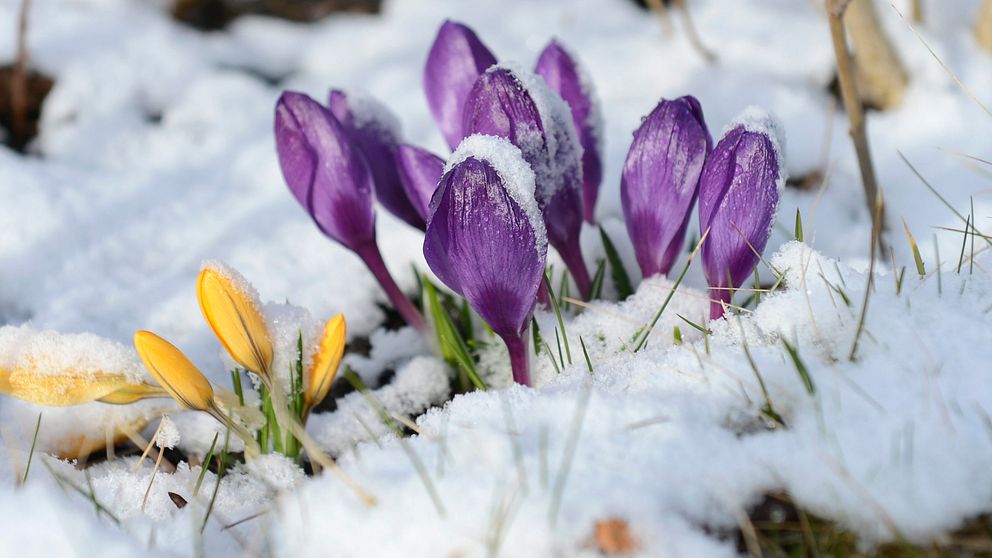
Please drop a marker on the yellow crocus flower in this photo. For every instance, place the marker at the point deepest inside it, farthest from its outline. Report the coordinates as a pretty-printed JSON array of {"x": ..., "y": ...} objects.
[
  {"x": 67, "y": 388},
  {"x": 234, "y": 314},
  {"x": 174, "y": 372},
  {"x": 325, "y": 363}
]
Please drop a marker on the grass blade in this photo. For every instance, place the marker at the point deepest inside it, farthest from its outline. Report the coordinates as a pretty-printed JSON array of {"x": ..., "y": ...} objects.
[{"x": 619, "y": 274}]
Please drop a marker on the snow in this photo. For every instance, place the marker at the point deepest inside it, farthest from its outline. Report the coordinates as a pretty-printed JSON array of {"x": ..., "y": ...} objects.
[
  {"x": 517, "y": 176},
  {"x": 168, "y": 435},
  {"x": 156, "y": 153}
]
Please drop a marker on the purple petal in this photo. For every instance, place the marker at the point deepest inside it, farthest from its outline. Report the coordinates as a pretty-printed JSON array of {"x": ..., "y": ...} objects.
[
  {"x": 565, "y": 76},
  {"x": 420, "y": 172},
  {"x": 660, "y": 181},
  {"x": 502, "y": 104},
  {"x": 738, "y": 194},
  {"x": 324, "y": 170},
  {"x": 456, "y": 60},
  {"x": 484, "y": 240},
  {"x": 375, "y": 131}
]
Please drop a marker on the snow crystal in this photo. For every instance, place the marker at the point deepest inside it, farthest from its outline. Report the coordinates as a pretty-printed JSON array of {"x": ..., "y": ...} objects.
[
  {"x": 389, "y": 348},
  {"x": 53, "y": 353},
  {"x": 168, "y": 435},
  {"x": 516, "y": 174},
  {"x": 368, "y": 111},
  {"x": 276, "y": 470},
  {"x": 757, "y": 120},
  {"x": 286, "y": 324}
]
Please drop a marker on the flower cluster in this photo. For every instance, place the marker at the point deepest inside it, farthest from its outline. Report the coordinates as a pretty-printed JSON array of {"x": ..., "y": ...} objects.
[{"x": 524, "y": 174}]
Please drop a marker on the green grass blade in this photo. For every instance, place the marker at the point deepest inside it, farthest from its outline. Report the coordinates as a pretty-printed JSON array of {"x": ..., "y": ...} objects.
[
  {"x": 619, "y": 274},
  {"x": 561, "y": 323}
]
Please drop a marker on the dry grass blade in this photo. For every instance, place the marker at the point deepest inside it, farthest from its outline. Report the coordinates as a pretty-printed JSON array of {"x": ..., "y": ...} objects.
[{"x": 570, "y": 446}]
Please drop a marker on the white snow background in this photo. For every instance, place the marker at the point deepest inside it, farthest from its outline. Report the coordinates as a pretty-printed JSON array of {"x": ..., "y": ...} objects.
[{"x": 156, "y": 153}]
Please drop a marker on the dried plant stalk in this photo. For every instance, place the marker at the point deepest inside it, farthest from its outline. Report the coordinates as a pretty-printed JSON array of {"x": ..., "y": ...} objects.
[
  {"x": 983, "y": 26},
  {"x": 882, "y": 79},
  {"x": 856, "y": 116},
  {"x": 19, "y": 80}
]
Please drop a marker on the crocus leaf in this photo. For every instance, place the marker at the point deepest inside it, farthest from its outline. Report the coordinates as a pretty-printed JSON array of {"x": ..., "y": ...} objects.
[
  {"x": 325, "y": 170},
  {"x": 174, "y": 372},
  {"x": 230, "y": 305},
  {"x": 456, "y": 59},
  {"x": 564, "y": 75},
  {"x": 325, "y": 363},
  {"x": 420, "y": 172},
  {"x": 738, "y": 194},
  {"x": 375, "y": 131},
  {"x": 485, "y": 238},
  {"x": 661, "y": 179}
]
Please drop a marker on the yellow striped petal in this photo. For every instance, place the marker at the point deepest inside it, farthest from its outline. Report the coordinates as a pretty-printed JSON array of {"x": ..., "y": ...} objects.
[
  {"x": 325, "y": 362},
  {"x": 61, "y": 389},
  {"x": 233, "y": 312},
  {"x": 174, "y": 372}
]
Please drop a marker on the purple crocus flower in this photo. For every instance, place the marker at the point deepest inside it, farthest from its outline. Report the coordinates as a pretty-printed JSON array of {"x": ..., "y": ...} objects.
[
  {"x": 486, "y": 239},
  {"x": 456, "y": 59},
  {"x": 327, "y": 173},
  {"x": 420, "y": 172},
  {"x": 376, "y": 132},
  {"x": 562, "y": 72},
  {"x": 518, "y": 106},
  {"x": 661, "y": 179},
  {"x": 738, "y": 194}
]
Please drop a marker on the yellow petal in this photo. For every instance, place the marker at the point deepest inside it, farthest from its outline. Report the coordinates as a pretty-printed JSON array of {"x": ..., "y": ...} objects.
[
  {"x": 233, "y": 313},
  {"x": 62, "y": 389},
  {"x": 325, "y": 362},
  {"x": 132, "y": 394},
  {"x": 174, "y": 372}
]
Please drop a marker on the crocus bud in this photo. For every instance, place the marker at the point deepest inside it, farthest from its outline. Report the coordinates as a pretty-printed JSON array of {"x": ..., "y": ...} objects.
[
  {"x": 231, "y": 307},
  {"x": 420, "y": 171},
  {"x": 456, "y": 59},
  {"x": 563, "y": 74},
  {"x": 325, "y": 170},
  {"x": 661, "y": 179},
  {"x": 376, "y": 132},
  {"x": 486, "y": 239},
  {"x": 738, "y": 194},
  {"x": 325, "y": 363},
  {"x": 174, "y": 372},
  {"x": 518, "y": 106}
]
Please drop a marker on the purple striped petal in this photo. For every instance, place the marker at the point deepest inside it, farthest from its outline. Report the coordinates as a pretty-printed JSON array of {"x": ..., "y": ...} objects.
[
  {"x": 420, "y": 172},
  {"x": 485, "y": 238},
  {"x": 518, "y": 106},
  {"x": 375, "y": 131},
  {"x": 661, "y": 179},
  {"x": 738, "y": 194},
  {"x": 562, "y": 72},
  {"x": 324, "y": 170},
  {"x": 456, "y": 60}
]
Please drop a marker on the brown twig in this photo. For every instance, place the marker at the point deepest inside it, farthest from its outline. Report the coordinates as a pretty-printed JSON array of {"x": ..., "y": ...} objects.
[
  {"x": 882, "y": 78},
  {"x": 856, "y": 116},
  {"x": 660, "y": 10},
  {"x": 19, "y": 80},
  {"x": 692, "y": 34}
]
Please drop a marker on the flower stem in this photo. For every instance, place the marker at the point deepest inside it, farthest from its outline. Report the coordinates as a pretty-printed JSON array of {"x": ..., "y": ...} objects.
[
  {"x": 577, "y": 267},
  {"x": 373, "y": 259},
  {"x": 519, "y": 357},
  {"x": 716, "y": 296}
]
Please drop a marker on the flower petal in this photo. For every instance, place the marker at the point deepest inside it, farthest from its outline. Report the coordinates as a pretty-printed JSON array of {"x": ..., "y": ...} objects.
[
  {"x": 660, "y": 181},
  {"x": 325, "y": 362},
  {"x": 456, "y": 59},
  {"x": 420, "y": 172},
  {"x": 738, "y": 194},
  {"x": 563, "y": 74},
  {"x": 173, "y": 371},
  {"x": 230, "y": 305},
  {"x": 376, "y": 132},
  {"x": 324, "y": 170},
  {"x": 62, "y": 389},
  {"x": 485, "y": 238}
]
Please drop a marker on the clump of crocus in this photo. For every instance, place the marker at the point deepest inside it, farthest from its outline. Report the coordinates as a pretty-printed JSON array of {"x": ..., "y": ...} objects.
[
  {"x": 231, "y": 308},
  {"x": 661, "y": 180},
  {"x": 57, "y": 370},
  {"x": 329, "y": 175},
  {"x": 486, "y": 239},
  {"x": 517, "y": 105},
  {"x": 738, "y": 193},
  {"x": 456, "y": 59},
  {"x": 563, "y": 74}
]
